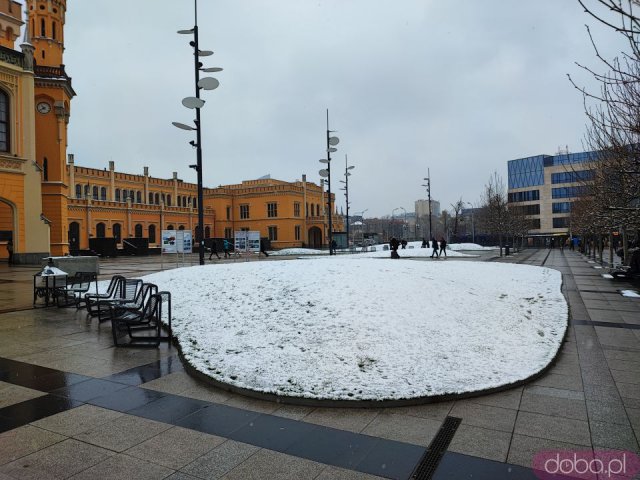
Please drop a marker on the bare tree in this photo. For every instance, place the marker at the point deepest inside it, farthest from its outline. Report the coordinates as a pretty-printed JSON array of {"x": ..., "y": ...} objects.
[
  {"x": 457, "y": 210},
  {"x": 494, "y": 214},
  {"x": 613, "y": 132}
]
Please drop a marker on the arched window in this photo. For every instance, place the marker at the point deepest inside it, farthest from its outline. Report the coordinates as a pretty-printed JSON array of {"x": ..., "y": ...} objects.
[
  {"x": 150, "y": 198},
  {"x": 152, "y": 234},
  {"x": 78, "y": 191},
  {"x": 45, "y": 169},
  {"x": 184, "y": 202},
  {"x": 100, "y": 230},
  {"x": 117, "y": 232},
  {"x": 103, "y": 193},
  {"x": 95, "y": 193},
  {"x": 117, "y": 194},
  {"x": 53, "y": 30},
  {"x": 170, "y": 227},
  {"x": 138, "y": 197},
  {"x": 5, "y": 145},
  {"x": 207, "y": 232},
  {"x": 87, "y": 190},
  {"x": 157, "y": 199},
  {"x": 43, "y": 30},
  {"x": 178, "y": 201},
  {"x": 181, "y": 227},
  {"x": 125, "y": 195},
  {"x": 306, "y": 210},
  {"x": 195, "y": 203},
  {"x": 168, "y": 200},
  {"x": 197, "y": 233},
  {"x": 138, "y": 230}
]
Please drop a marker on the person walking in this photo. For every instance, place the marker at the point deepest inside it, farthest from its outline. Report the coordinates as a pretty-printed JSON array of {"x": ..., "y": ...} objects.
[
  {"x": 10, "y": 251},
  {"x": 434, "y": 244},
  {"x": 425, "y": 244},
  {"x": 214, "y": 250},
  {"x": 443, "y": 247},
  {"x": 263, "y": 248},
  {"x": 225, "y": 248}
]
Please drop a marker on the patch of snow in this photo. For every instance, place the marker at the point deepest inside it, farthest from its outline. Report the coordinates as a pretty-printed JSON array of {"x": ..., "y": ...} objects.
[
  {"x": 630, "y": 293},
  {"x": 356, "y": 328}
]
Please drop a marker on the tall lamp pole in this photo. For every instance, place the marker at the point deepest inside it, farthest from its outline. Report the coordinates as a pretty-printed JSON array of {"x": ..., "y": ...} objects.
[
  {"x": 473, "y": 226},
  {"x": 428, "y": 185},
  {"x": 404, "y": 226},
  {"x": 346, "y": 190},
  {"x": 208, "y": 83},
  {"x": 331, "y": 143}
]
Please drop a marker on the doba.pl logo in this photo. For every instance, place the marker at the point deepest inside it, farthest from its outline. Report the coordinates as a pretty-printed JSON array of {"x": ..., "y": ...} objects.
[{"x": 586, "y": 464}]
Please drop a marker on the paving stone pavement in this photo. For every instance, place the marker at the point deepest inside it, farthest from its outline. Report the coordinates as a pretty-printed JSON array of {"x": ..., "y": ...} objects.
[{"x": 72, "y": 406}]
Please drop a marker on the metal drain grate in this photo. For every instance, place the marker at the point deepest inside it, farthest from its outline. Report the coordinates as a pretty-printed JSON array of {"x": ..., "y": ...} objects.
[{"x": 431, "y": 458}]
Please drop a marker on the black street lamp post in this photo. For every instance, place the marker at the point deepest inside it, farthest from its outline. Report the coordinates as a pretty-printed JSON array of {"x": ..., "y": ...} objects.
[
  {"x": 331, "y": 142},
  {"x": 346, "y": 191},
  {"x": 208, "y": 83},
  {"x": 428, "y": 185}
]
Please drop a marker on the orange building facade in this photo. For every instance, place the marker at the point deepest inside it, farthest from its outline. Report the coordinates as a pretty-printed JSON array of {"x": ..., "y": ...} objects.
[
  {"x": 110, "y": 204},
  {"x": 50, "y": 206}
]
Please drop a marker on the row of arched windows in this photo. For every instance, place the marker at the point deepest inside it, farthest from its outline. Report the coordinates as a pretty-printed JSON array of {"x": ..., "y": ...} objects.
[
  {"x": 121, "y": 195},
  {"x": 138, "y": 231},
  {"x": 315, "y": 210}
]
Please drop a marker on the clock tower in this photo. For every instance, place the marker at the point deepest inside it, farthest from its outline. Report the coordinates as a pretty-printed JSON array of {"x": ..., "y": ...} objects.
[{"x": 53, "y": 93}]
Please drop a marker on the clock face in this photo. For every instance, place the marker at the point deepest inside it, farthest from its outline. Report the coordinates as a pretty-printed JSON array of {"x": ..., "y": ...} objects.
[{"x": 43, "y": 107}]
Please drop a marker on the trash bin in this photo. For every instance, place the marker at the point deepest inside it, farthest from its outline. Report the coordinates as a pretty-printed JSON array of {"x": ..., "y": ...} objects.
[{"x": 506, "y": 250}]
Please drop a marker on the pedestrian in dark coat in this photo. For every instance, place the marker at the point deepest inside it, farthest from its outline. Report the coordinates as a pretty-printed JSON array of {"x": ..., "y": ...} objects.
[
  {"x": 403, "y": 242},
  {"x": 443, "y": 247},
  {"x": 434, "y": 244},
  {"x": 394, "y": 244},
  {"x": 425, "y": 244},
  {"x": 226, "y": 246},
  {"x": 263, "y": 248},
  {"x": 214, "y": 250}
]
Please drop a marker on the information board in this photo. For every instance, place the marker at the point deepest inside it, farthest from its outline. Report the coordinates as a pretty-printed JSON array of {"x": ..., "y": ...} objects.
[{"x": 247, "y": 241}]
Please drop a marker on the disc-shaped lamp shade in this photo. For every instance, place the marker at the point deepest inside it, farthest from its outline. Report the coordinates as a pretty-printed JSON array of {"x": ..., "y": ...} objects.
[
  {"x": 351, "y": 167},
  {"x": 324, "y": 160},
  {"x": 211, "y": 69},
  {"x": 186, "y": 32},
  {"x": 182, "y": 126},
  {"x": 208, "y": 83},
  {"x": 205, "y": 53},
  {"x": 192, "y": 102},
  {"x": 333, "y": 150},
  {"x": 334, "y": 141},
  {"x": 324, "y": 172}
]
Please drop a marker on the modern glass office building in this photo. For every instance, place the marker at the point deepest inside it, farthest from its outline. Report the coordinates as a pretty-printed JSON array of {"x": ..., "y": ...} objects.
[{"x": 545, "y": 186}]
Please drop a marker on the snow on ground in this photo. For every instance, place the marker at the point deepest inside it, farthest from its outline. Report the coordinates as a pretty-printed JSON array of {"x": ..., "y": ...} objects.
[
  {"x": 630, "y": 293},
  {"x": 356, "y": 328},
  {"x": 375, "y": 250}
]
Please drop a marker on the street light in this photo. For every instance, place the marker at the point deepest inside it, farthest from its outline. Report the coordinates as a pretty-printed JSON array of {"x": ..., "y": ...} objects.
[
  {"x": 473, "y": 227},
  {"x": 207, "y": 83},
  {"x": 346, "y": 191},
  {"x": 404, "y": 226},
  {"x": 428, "y": 185},
  {"x": 326, "y": 172}
]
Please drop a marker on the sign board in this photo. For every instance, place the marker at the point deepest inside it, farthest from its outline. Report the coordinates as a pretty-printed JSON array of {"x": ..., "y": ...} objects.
[
  {"x": 169, "y": 241},
  {"x": 247, "y": 241},
  {"x": 184, "y": 241},
  {"x": 177, "y": 241}
]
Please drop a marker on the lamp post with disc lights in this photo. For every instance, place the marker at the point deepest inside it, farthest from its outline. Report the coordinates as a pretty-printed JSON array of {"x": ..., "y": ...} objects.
[
  {"x": 207, "y": 83},
  {"x": 326, "y": 172},
  {"x": 347, "y": 167},
  {"x": 428, "y": 185}
]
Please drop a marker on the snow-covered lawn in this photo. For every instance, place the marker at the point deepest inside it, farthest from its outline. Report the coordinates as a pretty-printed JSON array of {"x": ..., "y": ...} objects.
[
  {"x": 353, "y": 328},
  {"x": 413, "y": 250}
]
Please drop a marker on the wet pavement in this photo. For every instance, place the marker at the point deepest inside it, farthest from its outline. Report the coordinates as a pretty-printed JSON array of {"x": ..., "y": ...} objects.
[{"x": 73, "y": 406}]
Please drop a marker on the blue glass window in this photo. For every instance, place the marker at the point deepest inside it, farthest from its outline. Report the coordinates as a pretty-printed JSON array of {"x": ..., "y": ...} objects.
[
  {"x": 527, "y": 196},
  {"x": 572, "y": 177},
  {"x": 561, "y": 207},
  {"x": 568, "y": 192},
  {"x": 526, "y": 172},
  {"x": 570, "y": 159},
  {"x": 561, "y": 222}
]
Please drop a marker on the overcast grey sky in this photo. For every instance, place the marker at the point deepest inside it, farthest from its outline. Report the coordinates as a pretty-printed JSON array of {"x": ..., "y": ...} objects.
[{"x": 457, "y": 87}]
